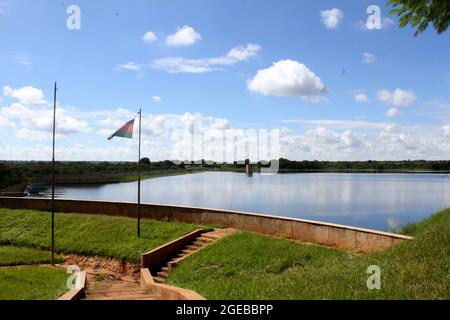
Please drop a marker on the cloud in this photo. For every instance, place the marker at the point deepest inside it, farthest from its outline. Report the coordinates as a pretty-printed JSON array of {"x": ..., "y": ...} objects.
[
  {"x": 368, "y": 57},
  {"x": 36, "y": 117},
  {"x": 204, "y": 65},
  {"x": 397, "y": 98},
  {"x": 26, "y": 95},
  {"x": 37, "y": 124},
  {"x": 361, "y": 97},
  {"x": 183, "y": 65},
  {"x": 185, "y": 36},
  {"x": 391, "y": 143},
  {"x": 446, "y": 130},
  {"x": 242, "y": 53},
  {"x": 156, "y": 98},
  {"x": 169, "y": 136},
  {"x": 6, "y": 123},
  {"x": 331, "y": 18},
  {"x": 105, "y": 132},
  {"x": 25, "y": 61},
  {"x": 287, "y": 78},
  {"x": 392, "y": 112},
  {"x": 149, "y": 37},
  {"x": 339, "y": 124},
  {"x": 130, "y": 66},
  {"x": 385, "y": 24}
]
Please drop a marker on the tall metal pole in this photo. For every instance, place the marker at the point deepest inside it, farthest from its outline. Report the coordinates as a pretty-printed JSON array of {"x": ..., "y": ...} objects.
[
  {"x": 139, "y": 179},
  {"x": 53, "y": 176}
]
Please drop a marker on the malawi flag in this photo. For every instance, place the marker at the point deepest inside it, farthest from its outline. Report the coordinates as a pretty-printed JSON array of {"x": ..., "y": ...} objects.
[{"x": 125, "y": 132}]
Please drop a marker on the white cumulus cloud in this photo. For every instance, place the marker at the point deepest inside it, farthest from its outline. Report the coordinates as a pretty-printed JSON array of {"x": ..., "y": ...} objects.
[
  {"x": 361, "y": 96},
  {"x": 446, "y": 130},
  {"x": 185, "y": 36},
  {"x": 149, "y": 36},
  {"x": 392, "y": 112},
  {"x": 156, "y": 98},
  {"x": 331, "y": 18},
  {"x": 287, "y": 78},
  {"x": 397, "y": 98},
  {"x": 26, "y": 95}
]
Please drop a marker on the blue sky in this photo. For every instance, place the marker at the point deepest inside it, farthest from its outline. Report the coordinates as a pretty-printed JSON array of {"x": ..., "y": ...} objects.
[{"x": 336, "y": 90}]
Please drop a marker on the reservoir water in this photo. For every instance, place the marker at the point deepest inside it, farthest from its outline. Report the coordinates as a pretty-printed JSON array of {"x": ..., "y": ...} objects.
[{"x": 376, "y": 201}]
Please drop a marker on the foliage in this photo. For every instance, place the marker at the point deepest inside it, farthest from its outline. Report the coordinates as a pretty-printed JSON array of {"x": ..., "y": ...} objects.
[
  {"x": 375, "y": 166},
  {"x": 420, "y": 13},
  {"x": 15, "y": 172},
  {"x": 9, "y": 176}
]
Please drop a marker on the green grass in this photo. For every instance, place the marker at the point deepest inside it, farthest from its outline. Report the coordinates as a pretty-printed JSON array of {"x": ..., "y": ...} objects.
[
  {"x": 87, "y": 234},
  {"x": 32, "y": 283},
  {"x": 15, "y": 256},
  {"x": 157, "y": 174},
  {"x": 250, "y": 266}
]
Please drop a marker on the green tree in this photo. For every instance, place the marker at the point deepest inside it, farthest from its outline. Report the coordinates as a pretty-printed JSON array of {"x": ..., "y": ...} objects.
[{"x": 420, "y": 13}]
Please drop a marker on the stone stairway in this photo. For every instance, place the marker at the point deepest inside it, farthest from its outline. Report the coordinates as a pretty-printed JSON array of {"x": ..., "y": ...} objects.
[
  {"x": 123, "y": 295},
  {"x": 106, "y": 285},
  {"x": 199, "y": 243}
]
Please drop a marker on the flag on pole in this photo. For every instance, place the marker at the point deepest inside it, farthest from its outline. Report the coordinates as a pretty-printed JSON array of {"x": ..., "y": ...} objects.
[{"x": 126, "y": 131}]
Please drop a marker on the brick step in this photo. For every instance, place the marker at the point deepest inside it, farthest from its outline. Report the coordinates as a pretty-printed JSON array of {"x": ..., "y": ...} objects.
[
  {"x": 113, "y": 294},
  {"x": 198, "y": 243},
  {"x": 159, "y": 280},
  {"x": 116, "y": 292},
  {"x": 162, "y": 274},
  {"x": 205, "y": 240},
  {"x": 136, "y": 296},
  {"x": 209, "y": 236},
  {"x": 194, "y": 247},
  {"x": 173, "y": 263},
  {"x": 166, "y": 269}
]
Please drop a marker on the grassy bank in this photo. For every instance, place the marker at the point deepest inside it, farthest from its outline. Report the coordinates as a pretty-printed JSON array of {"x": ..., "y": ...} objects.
[
  {"x": 29, "y": 282},
  {"x": 87, "y": 234},
  {"x": 14, "y": 256},
  {"x": 32, "y": 283},
  {"x": 250, "y": 266},
  {"x": 157, "y": 174}
]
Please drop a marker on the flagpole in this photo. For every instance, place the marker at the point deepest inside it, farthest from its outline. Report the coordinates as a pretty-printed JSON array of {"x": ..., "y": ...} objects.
[
  {"x": 53, "y": 176},
  {"x": 139, "y": 180}
]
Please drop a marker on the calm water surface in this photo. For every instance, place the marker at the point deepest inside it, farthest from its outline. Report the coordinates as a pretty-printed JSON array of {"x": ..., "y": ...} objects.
[{"x": 376, "y": 201}]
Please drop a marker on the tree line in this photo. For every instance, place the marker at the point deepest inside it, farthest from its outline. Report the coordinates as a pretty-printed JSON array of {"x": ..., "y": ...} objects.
[
  {"x": 14, "y": 172},
  {"x": 370, "y": 165}
]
